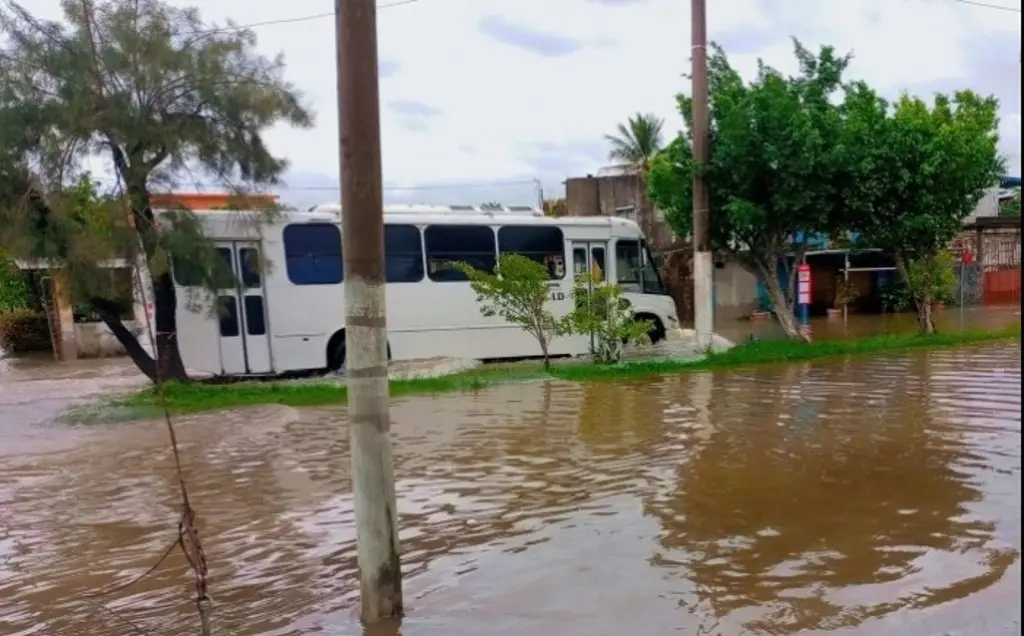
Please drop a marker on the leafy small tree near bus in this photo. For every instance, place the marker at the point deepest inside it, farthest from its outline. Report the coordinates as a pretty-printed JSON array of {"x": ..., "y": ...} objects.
[
  {"x": 516, "y": 291},
  {"x": 917, "y": 171},
  {"x": 159, "y": 92},
  {"x": 776, "y": 168},
  {"x": 602, "y": 313}
]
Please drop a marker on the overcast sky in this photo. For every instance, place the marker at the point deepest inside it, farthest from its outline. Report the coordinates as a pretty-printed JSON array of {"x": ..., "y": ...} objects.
[{"x": 481, "y": 91}]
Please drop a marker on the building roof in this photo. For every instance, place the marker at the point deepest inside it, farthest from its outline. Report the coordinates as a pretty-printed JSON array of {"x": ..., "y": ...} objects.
[{"x": 994, "y": 223}]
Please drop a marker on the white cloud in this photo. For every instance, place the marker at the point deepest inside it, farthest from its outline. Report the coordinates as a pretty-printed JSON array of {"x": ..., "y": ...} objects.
[{"x": 498, "y": 111}]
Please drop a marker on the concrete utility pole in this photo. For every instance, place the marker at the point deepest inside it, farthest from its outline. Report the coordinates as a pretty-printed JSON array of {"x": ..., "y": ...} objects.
[
  {"x": 366, "y": 360},
  {"x": 703, "y": 268}
]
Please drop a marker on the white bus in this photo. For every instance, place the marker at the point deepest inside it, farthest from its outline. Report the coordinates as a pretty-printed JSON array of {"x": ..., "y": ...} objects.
[{"x": 288, "y": 315}]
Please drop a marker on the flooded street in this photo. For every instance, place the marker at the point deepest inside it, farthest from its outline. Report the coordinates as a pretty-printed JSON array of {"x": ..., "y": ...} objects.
[{"x": 871, "y": 496}]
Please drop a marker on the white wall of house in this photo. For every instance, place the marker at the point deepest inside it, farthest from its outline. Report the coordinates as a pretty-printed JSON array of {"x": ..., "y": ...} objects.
[
  {"x": 735, "y": 290},
  {"x": 987, "y": 206}
]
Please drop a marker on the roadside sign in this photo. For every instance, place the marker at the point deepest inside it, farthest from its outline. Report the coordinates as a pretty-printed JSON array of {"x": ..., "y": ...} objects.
[{"x": 804, "y": 284}]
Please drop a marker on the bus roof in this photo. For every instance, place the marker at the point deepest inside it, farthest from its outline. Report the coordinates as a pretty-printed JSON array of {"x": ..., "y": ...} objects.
[{"x": 438, "y": 215}]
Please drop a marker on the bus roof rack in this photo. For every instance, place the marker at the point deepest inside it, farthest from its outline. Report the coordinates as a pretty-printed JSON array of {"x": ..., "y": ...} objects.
[{"x": 440, "y": 209}]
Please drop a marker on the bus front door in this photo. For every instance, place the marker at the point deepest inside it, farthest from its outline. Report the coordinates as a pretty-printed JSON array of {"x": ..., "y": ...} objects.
[
  {"x": 244, "y": 332},
  {"x": 589, "y": 256}
]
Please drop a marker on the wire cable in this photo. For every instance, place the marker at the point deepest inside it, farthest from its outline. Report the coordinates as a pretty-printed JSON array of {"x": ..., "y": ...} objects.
[
  {"x": 294, "y": 20},
  {"x": 986, "y": 5}
]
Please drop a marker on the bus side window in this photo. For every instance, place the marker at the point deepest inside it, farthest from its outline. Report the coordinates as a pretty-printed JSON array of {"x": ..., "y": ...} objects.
[
  {"x": 598, "y": 267},
  {"x": 544, "y": 245},
  {"x": 312, "y": 254},
  {"x": 403, "y": 254},
  {"x": 446, "y": 244},
  {"x": 579, "y": 261},
  {"x": 628, "y": 265}
]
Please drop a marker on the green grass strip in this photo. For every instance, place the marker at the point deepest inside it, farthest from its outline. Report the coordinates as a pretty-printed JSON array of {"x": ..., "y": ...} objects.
[{"x": 197, "y": 397}]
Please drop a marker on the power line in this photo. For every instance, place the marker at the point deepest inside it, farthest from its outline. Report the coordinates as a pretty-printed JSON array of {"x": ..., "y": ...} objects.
[
  {"x": 399, "y": 3},
  {"x": 986, "y": 5},
  {"x": 301, "y": 18}
]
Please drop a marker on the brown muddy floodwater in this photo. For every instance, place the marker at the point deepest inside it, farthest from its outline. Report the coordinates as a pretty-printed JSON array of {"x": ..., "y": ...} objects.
[{"x": 866, "y": 496}]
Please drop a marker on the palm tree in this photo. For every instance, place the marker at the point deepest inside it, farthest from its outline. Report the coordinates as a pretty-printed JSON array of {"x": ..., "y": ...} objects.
[
  {"x": 635, "y": 145},
  {"x": 637, "y": 141}
]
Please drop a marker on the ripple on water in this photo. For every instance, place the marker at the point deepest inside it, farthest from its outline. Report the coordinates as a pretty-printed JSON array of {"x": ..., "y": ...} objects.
[{"x": 867, "y": 496}]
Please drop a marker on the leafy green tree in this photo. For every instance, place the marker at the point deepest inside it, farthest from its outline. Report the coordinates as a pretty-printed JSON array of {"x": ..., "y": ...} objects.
[
  {"x": 1010, "y": 207},
  {"x": 918, "y": 171},
  {"x": 517, "y": 291},
  {"x": 936, "y": 274},
  {"x": 159, "y": 93},
  {"x": 13, "y": 288},
  {"x": 637, "y": 141},
  {"x": 603, "y": 314},
  {"x": 776, "y": 171}
]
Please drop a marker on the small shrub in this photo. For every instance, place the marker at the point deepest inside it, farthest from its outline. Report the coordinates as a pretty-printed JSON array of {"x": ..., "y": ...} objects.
[
  {"x": 602, "y": 312},
  {"x": 518, "y": 292},
  {"x": 24, "y": 331}
]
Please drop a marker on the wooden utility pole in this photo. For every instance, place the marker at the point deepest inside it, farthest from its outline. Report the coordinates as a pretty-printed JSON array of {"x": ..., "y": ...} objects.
[
  {"x": 366, "y": 360},
  {"x": 703, "y": 268}
]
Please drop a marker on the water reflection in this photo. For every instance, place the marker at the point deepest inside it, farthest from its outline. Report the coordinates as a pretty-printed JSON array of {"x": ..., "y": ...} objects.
[
  {"x": 824, "y": 512},
  {"x": 768, "y": 501}
]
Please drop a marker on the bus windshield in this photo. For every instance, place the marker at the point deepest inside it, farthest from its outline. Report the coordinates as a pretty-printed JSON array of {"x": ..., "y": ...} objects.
[{"x": 651, "y": 277}]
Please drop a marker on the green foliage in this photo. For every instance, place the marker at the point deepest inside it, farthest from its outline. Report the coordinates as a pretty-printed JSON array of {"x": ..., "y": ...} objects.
[
  {"x": 197, "y": 397},
  {"x": 14, "y": 293},
  {"x": 1010, "y": 207},
  {"x": 23, "y": 331},
  {"x": 156, "y": 85},
  {"x": 935, "y": 274},
  {"x": 602, "y": 313},
  {"x": 637, "y": 141},
  {"x": 516, "y": 291},
  {"x": 895, "y": 295},
  {"x": 777, "y": 169},
  {"x": 159, "y": 92},
  {"x": 918, "y": 171}
]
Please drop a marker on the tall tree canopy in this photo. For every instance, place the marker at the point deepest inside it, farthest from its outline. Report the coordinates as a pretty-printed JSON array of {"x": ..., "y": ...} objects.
[
  {"x": 158, "y": 92},
  {"x": 919, "y": 172},
  {"x": 777, "y": 170}
]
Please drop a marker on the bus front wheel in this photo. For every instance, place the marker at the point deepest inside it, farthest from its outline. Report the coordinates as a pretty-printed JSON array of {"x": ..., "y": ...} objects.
[
  {"x": 657, "y": 331},
  {"x": 336, "y": 352}
]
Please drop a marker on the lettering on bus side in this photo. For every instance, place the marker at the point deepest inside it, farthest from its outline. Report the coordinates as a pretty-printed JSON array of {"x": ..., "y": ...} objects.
[{"x": 557, "y": 295}]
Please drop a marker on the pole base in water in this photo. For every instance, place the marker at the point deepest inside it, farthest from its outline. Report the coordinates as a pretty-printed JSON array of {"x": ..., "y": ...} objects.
[{"x": 703, "y": 298}]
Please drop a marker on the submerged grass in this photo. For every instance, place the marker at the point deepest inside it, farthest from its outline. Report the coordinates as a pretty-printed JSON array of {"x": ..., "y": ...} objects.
[{"x": 196, "y": 397}]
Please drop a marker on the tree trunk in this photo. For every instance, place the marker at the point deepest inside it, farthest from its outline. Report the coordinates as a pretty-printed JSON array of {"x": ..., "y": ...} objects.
[
  {"x": 781, "y": 305},
  {"x": 783, "y": 311},
  {"x": 126, "y": 338},
  {"x": 165, "y": 305},
  {"x": 544, "y": 352},
  {"x": 165, "y": 301},
  {"x": 922, "y": 299},
  {"x": 925, "y": 322}
]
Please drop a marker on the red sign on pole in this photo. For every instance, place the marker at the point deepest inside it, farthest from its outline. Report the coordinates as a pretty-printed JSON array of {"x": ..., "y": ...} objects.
[{"x": 803, "y": 287}]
